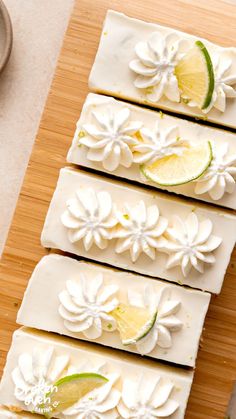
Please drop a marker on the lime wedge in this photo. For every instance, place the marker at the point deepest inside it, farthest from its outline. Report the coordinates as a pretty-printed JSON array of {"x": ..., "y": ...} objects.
[
  {"x": 133, "y": 323},
  {"x": 176, "y": 170},
  {"x": 69, "y": 390},
  {"x": 195, "y": 75}
]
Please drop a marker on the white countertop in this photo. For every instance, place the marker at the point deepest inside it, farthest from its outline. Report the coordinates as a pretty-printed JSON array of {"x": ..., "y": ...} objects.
[{"x": 38, "y": 27}]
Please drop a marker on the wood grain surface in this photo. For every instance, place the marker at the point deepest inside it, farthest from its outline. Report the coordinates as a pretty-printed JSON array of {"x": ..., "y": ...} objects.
[{"x": 216, "y": 366}]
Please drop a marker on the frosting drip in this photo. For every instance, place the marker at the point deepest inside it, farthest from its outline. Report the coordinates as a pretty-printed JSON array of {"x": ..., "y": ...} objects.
[
  {"x": 110, "y": 138},
  {"x": 139, "y": 230},
  {"x": 190, "y": 243},
  {"x": 220, "y": 176},
  {"x": 147, "y": 399},
  {"x": 155, "y": 66},
  {"x": 89, "y": 216},
  {"x": 85, "y": 305}
]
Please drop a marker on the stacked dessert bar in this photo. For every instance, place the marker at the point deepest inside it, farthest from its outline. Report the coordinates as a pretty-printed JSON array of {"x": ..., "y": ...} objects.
[{"x": 96, "y": 331}]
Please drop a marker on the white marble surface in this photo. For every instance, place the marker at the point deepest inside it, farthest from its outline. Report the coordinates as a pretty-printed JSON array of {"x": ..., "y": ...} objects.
[{"x": 39, "y": 27}]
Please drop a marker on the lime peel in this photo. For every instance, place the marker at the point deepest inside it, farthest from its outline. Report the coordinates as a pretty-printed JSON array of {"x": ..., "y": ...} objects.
[
  {"x": 133, "y": 323},
  {"x": 70, "y": 389},
  {"x": 171, "y": 164}
]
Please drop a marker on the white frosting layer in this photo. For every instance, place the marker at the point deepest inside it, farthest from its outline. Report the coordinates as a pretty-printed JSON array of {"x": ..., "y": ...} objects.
[
  {"x": 158, "y": 143},
  {"x": 190, "y": 243},
  {"x": 147, "y": 399},
  {"x": 110, "y": 138},
  {"x": 89, "y": 216},
  {"x": 85, "y": 305},
  {"x": 220, "y": 176},
  {"x": 166, "y": 321},
  {"x": 139, "y": 228},
  {"x": 155, "y": 65}
]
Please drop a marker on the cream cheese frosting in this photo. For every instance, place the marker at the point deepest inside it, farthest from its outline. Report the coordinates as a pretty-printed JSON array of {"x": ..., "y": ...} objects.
[
  {"x": 155, "y": 65},
  {"x": 138, "y": 230},
  {"x": 147, "y": 399},
  {"x": 110, "y": 138},
  {"x": 221, "y": 174},
  {"x": 86, "y": 304},
  {"x": 190, "y": 243},
  {"x": 158, "y": 143},
  {"x": 89, "y": 216},
  {"x": 166, "y": 321}
]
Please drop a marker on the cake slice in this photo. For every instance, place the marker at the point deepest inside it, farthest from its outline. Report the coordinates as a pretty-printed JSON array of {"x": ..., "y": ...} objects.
[
  {"x": 115, "y": 308},
  {"x": 165, "y": 68},
  {"x": 47, "y": 373},
  {"x": 156, "y": 149},
  {"x": 139, "y": 230}
]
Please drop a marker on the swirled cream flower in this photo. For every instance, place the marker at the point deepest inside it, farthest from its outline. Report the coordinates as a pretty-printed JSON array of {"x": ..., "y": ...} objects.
[
  {"x": 157, "y": 144},
  {"x": 220, "y": 175},
  {"x": 36, "y": 373},
  {"x": 139, "y": 229},
  {"x": 100, "y": 403},
  {"x": 85, "y": 305},
  {"x": 155, "y": 66},
  {"x": 166, "y": 322},
  {"x": 89, "y": 216},
  {"x": 110, "y": 137},
  {"x": 190, "y": 243},
  {"x": 147, "y": 399}
]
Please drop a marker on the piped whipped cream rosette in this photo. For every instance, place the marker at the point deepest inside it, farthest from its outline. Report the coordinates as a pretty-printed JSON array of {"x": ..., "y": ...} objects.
[{"x": 190, "y": 243}]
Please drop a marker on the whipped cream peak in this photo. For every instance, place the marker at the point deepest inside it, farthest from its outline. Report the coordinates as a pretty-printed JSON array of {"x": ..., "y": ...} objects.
[
  {"x": 86, "y": 304},
  {"x": 155, "y": 65},
  {"x": 138, "y": 230},
  {"x": 166, "y": 322},
  {"x": 220, "y": 176},
  {"x": 158, "y": 143},
  {"x": 109, "y": 138},
  {"x": 89, "y": 216},
  {"x": 101, "y": 402},
  {"x": 190, "y": 243},
  {"x": 147, "y": 398},
  {"x": 35, "y": 374}
]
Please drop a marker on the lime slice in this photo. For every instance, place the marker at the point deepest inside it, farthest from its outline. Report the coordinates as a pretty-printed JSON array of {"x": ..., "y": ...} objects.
[
  {"x": 133, "y": 323},
  {"x": 68, "y": 390},
  {"x": 176, "y": 170},
  {"x": 195, "y": 75}
]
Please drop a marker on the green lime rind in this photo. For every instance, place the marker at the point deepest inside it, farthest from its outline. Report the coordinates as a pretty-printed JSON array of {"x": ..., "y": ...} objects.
[
  {"x": 81, "y": 376},
  {"x": 143, "y": 332},
  {"x": 71, "y": 389},
  {"x": 210, "y": 69},
  {"x": 146, "y": 173}
]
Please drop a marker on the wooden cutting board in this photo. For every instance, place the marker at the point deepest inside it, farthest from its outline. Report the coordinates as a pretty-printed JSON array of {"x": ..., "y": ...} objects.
[{"x": 215, "y": 20}]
